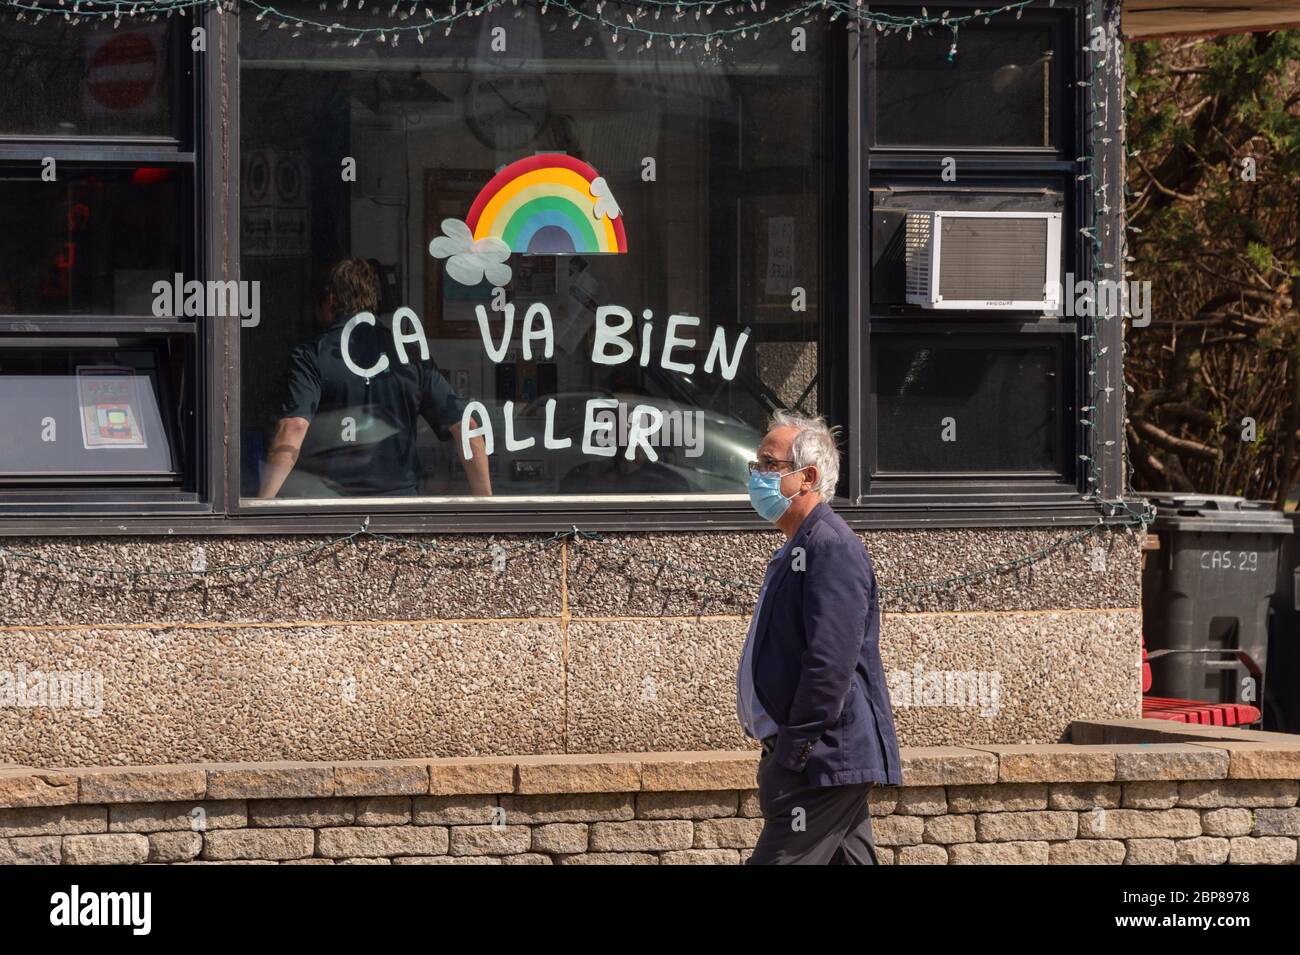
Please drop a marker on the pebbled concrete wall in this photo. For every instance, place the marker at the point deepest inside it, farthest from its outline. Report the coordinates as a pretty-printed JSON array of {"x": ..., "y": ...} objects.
[{"x": 477, "y": 645}]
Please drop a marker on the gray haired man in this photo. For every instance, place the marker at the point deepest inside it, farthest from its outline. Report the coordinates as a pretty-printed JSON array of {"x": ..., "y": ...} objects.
[{"x": 811, "y": 685}]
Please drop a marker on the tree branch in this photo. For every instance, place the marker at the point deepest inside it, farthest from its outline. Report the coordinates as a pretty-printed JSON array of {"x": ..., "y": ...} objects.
[{"x": 1162, "y": 438}]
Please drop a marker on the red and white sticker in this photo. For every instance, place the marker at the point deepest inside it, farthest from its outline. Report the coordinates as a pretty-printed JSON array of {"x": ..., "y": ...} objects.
[{"x": 122, "y": 72}]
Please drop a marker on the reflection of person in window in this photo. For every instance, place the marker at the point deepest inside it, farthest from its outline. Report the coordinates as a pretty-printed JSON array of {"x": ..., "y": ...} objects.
[{"x": 362, "y": 438}]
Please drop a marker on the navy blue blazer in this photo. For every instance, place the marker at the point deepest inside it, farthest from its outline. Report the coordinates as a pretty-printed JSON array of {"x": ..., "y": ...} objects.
[{"x": 817, "y": 668}]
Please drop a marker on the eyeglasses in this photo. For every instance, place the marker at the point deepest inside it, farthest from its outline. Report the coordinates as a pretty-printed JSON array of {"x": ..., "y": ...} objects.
[{"x": 766, "y": 467}]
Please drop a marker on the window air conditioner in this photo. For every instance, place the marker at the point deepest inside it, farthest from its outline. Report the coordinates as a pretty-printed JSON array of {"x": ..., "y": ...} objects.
[{"x": 1006, "y": 261}]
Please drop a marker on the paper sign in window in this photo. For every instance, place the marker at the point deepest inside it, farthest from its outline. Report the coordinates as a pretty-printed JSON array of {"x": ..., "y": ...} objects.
[{"x": 110, "y": 407}]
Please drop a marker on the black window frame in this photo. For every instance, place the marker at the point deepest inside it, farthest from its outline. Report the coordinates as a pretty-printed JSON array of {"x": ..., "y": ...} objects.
[
  {"x": 213, "y": 505},
  {"x": 183, "y": 150},
  {"x": 1053, "y": 166}
]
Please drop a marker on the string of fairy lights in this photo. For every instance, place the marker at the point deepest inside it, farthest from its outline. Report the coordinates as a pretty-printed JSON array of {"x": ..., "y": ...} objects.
[
  {"x": 965, "y": 579},
  {"x": 1096, "y": 172},
  {"x": 497, "y": 556},
  {"x": 682, "y": 25},
  {"x": 646, "y": 20}
]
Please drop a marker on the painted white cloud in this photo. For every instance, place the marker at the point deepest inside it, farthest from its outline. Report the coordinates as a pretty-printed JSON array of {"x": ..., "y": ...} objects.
[
  {"x": 606, "y": 204},
  {"x": 470, "y": 260}
]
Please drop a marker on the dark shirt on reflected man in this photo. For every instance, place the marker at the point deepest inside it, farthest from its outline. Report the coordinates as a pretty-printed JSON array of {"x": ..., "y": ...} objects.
[{"x": 385, "y": 410}]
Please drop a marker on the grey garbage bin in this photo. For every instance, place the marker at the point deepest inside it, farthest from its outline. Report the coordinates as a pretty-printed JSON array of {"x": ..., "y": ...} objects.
[
  {"x": 1206, "y": 596},
  {"x": 1282, "y": 691}
]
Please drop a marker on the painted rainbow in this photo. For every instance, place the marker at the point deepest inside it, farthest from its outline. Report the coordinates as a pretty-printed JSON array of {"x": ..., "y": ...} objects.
[{"x": 544, "y": 205}]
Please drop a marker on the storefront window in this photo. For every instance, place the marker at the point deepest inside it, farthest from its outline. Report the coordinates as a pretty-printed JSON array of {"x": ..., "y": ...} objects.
[
  {"x": 607, "y": 265},
  {"x": 995, "y": 90},
  {"x": 969, "y": 406},
  {"x": 91, "y": 411},
  {"x": 76, "y": 79},
  {"x": 531, "y": 260},
  {"x": 94, "y": 241}
]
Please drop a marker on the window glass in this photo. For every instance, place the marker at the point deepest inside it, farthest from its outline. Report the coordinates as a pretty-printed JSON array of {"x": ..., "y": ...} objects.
[
  {"x": 88, "y": 79},
  {"x": 996, "y": 91},
  {"x": 94, "y": 241},
  {"x": 83, "y": 412},
  {"x": 969, "y": 406},
  {"x": 678, "y": 197}
]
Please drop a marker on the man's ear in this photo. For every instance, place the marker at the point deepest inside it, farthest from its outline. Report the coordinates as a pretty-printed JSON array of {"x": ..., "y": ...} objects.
[{"x": 810, "y": 478}]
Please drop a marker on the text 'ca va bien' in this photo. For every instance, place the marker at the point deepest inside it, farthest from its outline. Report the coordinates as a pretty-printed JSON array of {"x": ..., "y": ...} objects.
[{"x": 615, "y": 343}]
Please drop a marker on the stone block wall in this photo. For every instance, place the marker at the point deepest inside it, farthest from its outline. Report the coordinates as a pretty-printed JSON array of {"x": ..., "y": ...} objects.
[
  {"x": 1206, "y": 801},
  {"x": 435, "y": 647}
]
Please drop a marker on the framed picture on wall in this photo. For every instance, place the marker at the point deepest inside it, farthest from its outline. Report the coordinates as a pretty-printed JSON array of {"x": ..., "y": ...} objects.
[{"x": 449, "y": 305}]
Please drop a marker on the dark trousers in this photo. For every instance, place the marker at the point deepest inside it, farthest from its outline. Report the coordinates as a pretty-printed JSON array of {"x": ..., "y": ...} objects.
[{"x": 811, "y": 825}]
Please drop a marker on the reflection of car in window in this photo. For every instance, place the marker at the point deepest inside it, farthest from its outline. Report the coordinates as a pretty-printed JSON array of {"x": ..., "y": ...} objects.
[
  {"x": 711, "y": 429},
  {"x": 699, "y": 450}
]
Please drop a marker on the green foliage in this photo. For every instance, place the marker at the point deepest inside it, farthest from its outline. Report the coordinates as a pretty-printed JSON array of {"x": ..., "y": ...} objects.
[{"x": 1213, "y": 131}]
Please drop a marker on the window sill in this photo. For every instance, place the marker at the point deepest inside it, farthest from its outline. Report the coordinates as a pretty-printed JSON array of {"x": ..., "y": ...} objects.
[{"x": 731, "y": 514}]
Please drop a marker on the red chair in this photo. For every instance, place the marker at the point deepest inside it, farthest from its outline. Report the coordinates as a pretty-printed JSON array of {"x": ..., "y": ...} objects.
[{"x": 1197, "y": 711}]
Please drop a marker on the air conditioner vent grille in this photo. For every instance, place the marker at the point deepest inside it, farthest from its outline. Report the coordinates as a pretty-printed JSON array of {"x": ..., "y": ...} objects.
[
  {"x": 983, "y": 261},
  {"x": 917, "y": 246},
  {"x": 993, "y": 258}
]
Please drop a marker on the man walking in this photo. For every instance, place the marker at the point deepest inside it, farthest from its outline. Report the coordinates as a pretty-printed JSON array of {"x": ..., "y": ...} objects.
[{"x": 811, "y": 685}]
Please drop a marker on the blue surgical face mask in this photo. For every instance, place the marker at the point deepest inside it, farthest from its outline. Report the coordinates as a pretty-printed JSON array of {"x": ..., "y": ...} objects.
[{"x": 765, "y": 494}]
